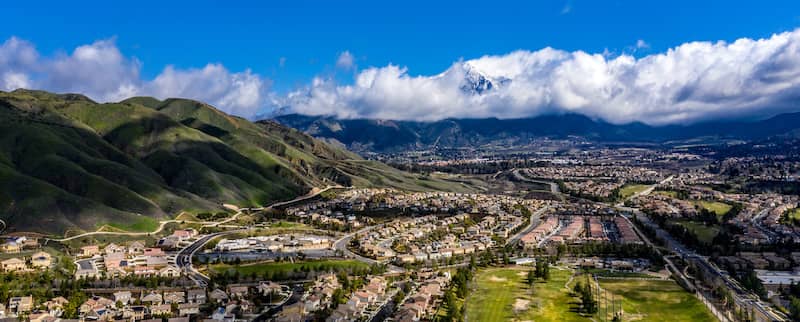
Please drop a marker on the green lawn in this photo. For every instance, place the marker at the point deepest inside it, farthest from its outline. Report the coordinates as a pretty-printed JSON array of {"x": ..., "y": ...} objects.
[
  {"x": 704, "y": 233},
  {"x": 497, "y": 290},
  {"x": 500, "y": 294},
  {"x": 719, "y": 208},
  {"x": 792, "y": 217},
  {"x": 139, "y": 224},
  {"x": 656, "y": 301},
  {"x": 631, "y": 189},
  {"x": 667, "y": 193},
  {"x": 288, "y": 267}
]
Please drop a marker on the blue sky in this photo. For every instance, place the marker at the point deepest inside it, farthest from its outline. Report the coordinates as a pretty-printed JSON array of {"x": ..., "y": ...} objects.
[
  {"x": 425, "y": 36},
  {"x": 250, "y": 58}
]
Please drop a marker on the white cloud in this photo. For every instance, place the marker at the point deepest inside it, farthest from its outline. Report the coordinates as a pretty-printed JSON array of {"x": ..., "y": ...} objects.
[
  {"x": 242, "y": 93},
  {"x": 345, "y": 61},
  {"x": 641, "y": 44},
  {"x": 691, "y": 82},
  {"x": 100, "y": 71}
]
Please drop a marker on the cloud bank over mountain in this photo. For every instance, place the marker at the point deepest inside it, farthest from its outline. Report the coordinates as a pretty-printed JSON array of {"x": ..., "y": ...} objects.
[{"x": 694, "y": 81}]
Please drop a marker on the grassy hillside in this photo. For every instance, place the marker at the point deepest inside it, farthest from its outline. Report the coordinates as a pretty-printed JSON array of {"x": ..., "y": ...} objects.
[{"x": 68, "y": 163}]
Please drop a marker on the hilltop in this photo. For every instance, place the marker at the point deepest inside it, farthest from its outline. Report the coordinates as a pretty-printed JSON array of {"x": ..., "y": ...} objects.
[{"x": 69, "y": 163}]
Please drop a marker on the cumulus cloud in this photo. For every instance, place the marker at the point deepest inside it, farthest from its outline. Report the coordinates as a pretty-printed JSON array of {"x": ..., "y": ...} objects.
[
  {"x": 691, "y": 82},
  {"x": 345, "y": 60},
  {"x": 641, "y": 44},
  {"x": 100, "y": 71}
]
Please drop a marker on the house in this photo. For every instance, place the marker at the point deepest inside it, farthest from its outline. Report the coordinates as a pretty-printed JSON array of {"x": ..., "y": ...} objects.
[
  {"x": 169, "y": 271},
  {"x": 115, "y": 260},
  {"x": 95, "y": 304},
  {"x": 11, "y": 246},
  {"x": 41, "y": 260},
  {"x": 12, "y": 265},
  {"x": 156, "y": 262},
  {"x": 20, "y": 304},
  {"x": 136, "y": 247},
  {"x": 174, "y": 297},
  {"x": 160, "y": 310},
  {"x": 186, "y": 309},
  {"x": 268, "y": 287},
  {"x": 197, "y": 296},
  {"x": 238, "y": 290},
  {"x": 153, "y": 298},
  {"x": 56, "y": 304},
  {"x": 135, "y": 313},
  {"x": 154, "y": 252},
  {"x": 122, "y": 296},
  {"x": 218, "y": 295},
  {"x": 89, "y": 251},
  {"x": 41, "y": 317},
  {"x": 114, "y": 248},
  {"x": 312, "y": 303},
  {"x": 183, "y": 234},
  {"x": 116, "y": 272}
]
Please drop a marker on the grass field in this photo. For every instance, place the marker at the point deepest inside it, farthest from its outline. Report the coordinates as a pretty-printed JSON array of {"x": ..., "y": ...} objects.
[
  {"x": 287, "y": 224},
  {"x": 141, "y": 224},
  {"x": 500, "y": 294},
  {"x": 792, "y": 217},
  {"x": 288, "y": 267},
  {"x": 496, "y": 292},
  {"x": 631, "y": 189},
  {"x": 719, "y": 208},
  {"x": 667, "y": 193},
  {"x": 704, "y": 233},
  {"x": 656, "y": 301}
]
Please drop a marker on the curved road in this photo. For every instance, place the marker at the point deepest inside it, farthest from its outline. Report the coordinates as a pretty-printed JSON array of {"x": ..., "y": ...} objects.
[{"x": 204, "y": 223}]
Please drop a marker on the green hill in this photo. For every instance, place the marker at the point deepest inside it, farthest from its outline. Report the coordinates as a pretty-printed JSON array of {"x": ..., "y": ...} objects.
[{"x": 68, "y": 163}]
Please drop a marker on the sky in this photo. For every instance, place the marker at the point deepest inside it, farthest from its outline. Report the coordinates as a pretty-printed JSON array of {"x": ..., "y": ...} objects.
[{"x": 622, "y": 61}]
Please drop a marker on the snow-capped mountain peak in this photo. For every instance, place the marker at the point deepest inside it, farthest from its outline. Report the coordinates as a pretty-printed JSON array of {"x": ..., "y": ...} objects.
[{"x": 477, "y": 82}]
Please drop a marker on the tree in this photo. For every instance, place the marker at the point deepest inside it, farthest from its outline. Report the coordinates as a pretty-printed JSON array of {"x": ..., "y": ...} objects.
[
  {"x": 588, "y": 301},
  {"x": 546, "y": 271},
  {"x": 794, "y": 308},
  {"x": 531, "y": 278}
]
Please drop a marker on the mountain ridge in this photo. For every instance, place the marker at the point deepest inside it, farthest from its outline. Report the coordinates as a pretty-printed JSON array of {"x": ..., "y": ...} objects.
[
  {"x": 372, "y": 135},
  {"x": 69, "y": 163}
]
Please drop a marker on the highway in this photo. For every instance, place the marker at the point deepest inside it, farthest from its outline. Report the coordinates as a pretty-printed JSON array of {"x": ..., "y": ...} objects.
[{"x": 742, "y": 297}]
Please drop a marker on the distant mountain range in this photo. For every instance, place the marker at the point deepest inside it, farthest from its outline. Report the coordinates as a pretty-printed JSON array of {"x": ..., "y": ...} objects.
[
  {"x": 388, "y": 136},
  {"x": 68, "y": 163}
]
